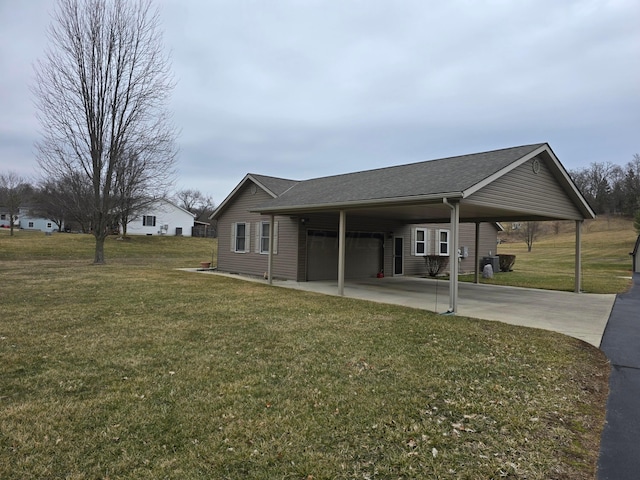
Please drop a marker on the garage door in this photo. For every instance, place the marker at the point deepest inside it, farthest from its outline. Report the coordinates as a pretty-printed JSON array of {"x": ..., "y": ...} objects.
[{"x": 363, "y": 255}]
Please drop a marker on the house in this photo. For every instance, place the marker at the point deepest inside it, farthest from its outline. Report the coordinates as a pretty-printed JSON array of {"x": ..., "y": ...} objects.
[
  {"x": 387, "y": 220},
  {"x": 26, "y": 221},
  {"x": 162, "y": 217}
]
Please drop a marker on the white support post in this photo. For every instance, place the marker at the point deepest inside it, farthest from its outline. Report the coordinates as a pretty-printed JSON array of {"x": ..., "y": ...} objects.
[
  {"x": 477, "y": 254},
  {"x": 453, "y": 255},
  {"x": 341, "y": 251},
  {"x": 453, "y": 258},
  {"x": 270, "y": 260},
  {"x": 578, "y": 256}
]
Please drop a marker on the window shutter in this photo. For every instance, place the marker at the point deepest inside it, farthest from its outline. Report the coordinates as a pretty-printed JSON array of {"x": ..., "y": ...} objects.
[
  {"x": 233, "y": 236},
  {"x": 275, "y": 238},
  {"x": 428, "y": 249},
  {"x": 258, "y": 234},
  {"x": 413, "y": 241},
  {"x": 247, "y": 237}
]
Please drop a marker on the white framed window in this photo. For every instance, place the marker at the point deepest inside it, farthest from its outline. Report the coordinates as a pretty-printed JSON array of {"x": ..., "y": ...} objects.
[
  {"x": 420, "y": 242},
  {"x": 149, "y": 221},
  {"x": 240, "y": 232},
  {"x": 264, "y": 237},
  {"x": 30, "y": 224},
  {"x": 443, "y": 243},
  {"x": 49, "y": 225}
]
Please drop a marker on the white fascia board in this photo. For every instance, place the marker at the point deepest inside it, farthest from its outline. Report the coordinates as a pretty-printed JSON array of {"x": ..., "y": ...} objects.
[
  {"x": 492, "y": 178},
  {"x": 229, "y": 197},
  {"x": 572, "y": 185},
  {"x": 415, "y": 200}
]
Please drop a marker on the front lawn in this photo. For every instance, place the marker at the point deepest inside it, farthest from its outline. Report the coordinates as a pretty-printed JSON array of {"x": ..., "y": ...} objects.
[{"x": 137, "y": 370}]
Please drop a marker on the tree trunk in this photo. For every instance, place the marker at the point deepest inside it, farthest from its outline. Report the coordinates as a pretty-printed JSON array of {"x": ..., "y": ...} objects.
[{"x": 98, "y": 258}]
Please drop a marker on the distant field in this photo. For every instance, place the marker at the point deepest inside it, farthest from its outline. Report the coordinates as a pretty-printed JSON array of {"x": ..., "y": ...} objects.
[
  {"x": 137, "y": 370},
  {"x": 606, "y": 264}
]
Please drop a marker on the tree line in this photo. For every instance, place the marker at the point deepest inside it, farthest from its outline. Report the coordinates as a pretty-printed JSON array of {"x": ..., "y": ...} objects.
[
  {"x": 67, "y": 202},
  {"x": 610, "y": 188}
]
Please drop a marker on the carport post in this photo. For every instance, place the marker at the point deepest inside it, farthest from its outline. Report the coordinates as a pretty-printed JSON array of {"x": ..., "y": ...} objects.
[
  {"x": 453, "y": 255},
  {"x": 578, "y": 255},
  {"x": 341, "y": 250},
  {"x": 477, "y": 254},
  {"x": 270, "y": 261}
]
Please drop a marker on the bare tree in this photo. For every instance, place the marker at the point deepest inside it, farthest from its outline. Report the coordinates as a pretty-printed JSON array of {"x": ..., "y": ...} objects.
[
  {"x": 202, "y": 206},
  {"x": 49, "y": 203},
  {"x": 101, "y": 92},
  {"x": 141, "y": 179},
  {"x": 14, "y": 192},
  {"x": 529, "y": 231},
  {"x": 195, "y": 201}
]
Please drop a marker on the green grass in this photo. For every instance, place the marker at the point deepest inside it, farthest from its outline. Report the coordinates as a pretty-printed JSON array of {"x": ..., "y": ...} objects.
[
  {"x": 606, "y": 264},
  {"x": 137, "y": 370}
]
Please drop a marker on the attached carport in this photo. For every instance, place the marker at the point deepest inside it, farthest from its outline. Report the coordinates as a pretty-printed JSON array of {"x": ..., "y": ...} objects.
[{"x": 526, "y": 183}]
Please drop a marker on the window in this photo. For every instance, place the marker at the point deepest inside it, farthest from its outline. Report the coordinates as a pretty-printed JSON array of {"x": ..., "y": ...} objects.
[
  {"x": 3, "y": 216},
  {"x": 149, "y": 221},
  {"x": 264, "y": 237},
  {"x": 443, "y": 243},
  {"x": 49, "y": 225},
  {"x": 420, "y": 242},
  {"x": 240, "y": 237},
  {"x": 30, "y": 224}
]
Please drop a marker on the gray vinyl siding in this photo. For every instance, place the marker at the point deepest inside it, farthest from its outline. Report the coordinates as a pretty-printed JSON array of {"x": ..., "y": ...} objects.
[
  {"x": 252, "y": 262},
  {"x": 528, "y": 192},
  {"x": 291, "y": 261},
  {"x": 415, "y": 265}
]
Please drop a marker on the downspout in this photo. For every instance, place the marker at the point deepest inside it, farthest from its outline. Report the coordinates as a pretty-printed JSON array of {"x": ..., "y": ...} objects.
[{"x": 453, "y": 256}]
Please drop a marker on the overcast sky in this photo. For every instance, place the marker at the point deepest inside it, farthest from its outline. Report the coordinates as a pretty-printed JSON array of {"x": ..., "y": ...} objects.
[{"x": 306, "y": 88}]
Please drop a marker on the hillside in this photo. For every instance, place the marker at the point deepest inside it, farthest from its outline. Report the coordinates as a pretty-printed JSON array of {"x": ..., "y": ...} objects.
[{"x": 606, "y": 264}]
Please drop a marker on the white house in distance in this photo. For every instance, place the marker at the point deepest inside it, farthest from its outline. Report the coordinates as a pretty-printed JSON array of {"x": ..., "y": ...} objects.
[
  {"x": 25, "y": 221},
  {"x": 162, "y": 218}
]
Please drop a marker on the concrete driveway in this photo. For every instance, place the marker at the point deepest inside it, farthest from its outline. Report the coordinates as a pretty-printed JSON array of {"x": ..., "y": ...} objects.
[{"x": 582, "y": 316}]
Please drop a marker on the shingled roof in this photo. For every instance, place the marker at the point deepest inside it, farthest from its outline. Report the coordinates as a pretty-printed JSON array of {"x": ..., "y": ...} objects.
[{"x": 434, "y": 178}]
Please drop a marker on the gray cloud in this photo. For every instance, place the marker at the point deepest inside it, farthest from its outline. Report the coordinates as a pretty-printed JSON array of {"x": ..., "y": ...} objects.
[{"x": 302, "y": 89}]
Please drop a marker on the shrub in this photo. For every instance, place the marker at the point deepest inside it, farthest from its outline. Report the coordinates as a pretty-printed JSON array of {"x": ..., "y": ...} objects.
[
  {"x": 506, "y": 262},
  {"x": 435, "y": 264}
]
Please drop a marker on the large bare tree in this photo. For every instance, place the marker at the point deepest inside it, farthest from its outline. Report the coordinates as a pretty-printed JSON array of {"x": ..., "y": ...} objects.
[{"x": 102, "y": 91}]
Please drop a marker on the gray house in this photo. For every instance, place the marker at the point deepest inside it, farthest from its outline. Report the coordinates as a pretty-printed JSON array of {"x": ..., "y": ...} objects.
[{"x": 388, "y": 220}]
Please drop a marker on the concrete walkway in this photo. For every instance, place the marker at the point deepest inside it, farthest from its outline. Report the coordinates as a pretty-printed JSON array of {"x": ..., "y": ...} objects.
[
  {"x": 582, "y": 316},
  {"x": 620, "y": 441}
]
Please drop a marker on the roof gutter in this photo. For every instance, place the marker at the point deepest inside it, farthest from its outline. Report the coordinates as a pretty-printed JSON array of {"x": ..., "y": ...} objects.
[{"x": 398, "y": 201}]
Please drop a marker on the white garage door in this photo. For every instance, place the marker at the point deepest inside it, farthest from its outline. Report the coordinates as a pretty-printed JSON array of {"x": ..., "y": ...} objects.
[{"x": 363, "y": 255}]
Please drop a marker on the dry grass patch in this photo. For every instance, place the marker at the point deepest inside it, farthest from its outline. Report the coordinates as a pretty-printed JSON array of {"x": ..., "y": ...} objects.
[
  {"x": 135, "y": 370},
  {"x": 606, "y": 265}
]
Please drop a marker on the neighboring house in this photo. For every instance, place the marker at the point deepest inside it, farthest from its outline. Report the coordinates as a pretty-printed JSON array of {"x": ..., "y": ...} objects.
[
  {"x": 162, "y": 218},
  {"x": 5, "y": 220},
  {"x": 25, "y": 221},
  {"x": 389, "y": 219}
]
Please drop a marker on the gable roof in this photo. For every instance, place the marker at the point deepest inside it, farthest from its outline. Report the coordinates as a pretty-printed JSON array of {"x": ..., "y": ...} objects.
[
  {"x": 156, "y": 203},
  {"x": 273, "y": 186},
  {"x": 419, "y": 183},
  {"x": 414, "y": 184},
  {"x": 447, "y": 177}
]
